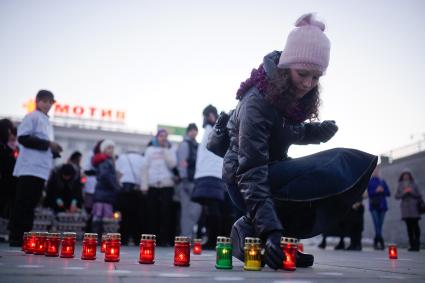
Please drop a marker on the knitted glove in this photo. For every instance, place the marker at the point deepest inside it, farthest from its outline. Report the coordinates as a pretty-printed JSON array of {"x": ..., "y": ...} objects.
[{"x": 273, "y": 252}]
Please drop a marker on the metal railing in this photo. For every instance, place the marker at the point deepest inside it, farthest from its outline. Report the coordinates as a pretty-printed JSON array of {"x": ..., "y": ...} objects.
[{"x": 403, "y": 151}]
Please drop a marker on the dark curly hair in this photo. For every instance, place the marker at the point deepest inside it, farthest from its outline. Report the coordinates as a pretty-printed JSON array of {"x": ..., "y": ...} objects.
[
  {"x": 280, "y": 92},
  {"x": 6, "y": 127}
]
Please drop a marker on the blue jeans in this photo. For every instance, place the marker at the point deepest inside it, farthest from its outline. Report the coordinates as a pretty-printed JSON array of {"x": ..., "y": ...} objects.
[{"x": 378, "y": 221}]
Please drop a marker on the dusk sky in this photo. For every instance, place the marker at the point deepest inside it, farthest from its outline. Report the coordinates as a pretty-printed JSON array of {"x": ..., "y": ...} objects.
[{"x": 162, "y": 62}]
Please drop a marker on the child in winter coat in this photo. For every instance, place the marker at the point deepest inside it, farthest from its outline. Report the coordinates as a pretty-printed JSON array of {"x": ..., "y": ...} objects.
[{"x": 107, "y": 185}]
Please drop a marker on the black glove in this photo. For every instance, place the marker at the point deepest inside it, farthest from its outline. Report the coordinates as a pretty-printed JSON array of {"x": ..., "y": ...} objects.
[
  {"x": 274, "y": 255},
  {"x": 221, "y": 123},
  {"x": 219, "y": 140},
  {"x": 325, "y": 130}
]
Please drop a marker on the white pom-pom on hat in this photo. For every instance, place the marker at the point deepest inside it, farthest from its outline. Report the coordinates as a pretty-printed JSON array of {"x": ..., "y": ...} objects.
[
  {"x": 309, "y": 20},
  {"x": 105, "y": 144},
  {"x": 307, "y": 46}
]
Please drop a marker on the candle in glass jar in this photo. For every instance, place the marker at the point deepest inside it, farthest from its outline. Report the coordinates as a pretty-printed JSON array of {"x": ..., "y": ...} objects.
[
  {"x": 392, "y": 251},
  {"x": 103, "y": 243},
  {"x": 113, "y": 246},
  {"x": 24, "y": 241},
  {"x": 182, "y": 251},
  {"x": 30, "y": 243},
  {"x": 52, "y": 244},
  {"x": 252, "y": 251},
  {"x": 197, "y": 247},
  {"x": 40, "y": 243},
  {"x": 289, "y": 248},
  {"x": 89, "y": 246},
  {"x": 147, "y": 249},
  {"x": 224, "y": 253},
  {"x": 68, "y": 244}
]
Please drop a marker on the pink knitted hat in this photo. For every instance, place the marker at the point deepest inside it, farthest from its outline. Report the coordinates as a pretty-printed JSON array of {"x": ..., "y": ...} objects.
[{"x": 307, "y": 47}]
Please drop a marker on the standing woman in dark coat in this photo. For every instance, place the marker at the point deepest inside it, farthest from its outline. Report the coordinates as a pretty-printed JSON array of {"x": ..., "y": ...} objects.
[
  {"x": 409, "y": 194},
  {"x": 281, "y": 196},
  {"x": 8, "y": 154}
]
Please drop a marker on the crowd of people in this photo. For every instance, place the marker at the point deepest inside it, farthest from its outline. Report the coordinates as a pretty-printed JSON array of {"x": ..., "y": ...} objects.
[
  {"x": 165, "y": 191},
  {"x": 238, "y": 181},
  {"x": 411, "y": 208}
]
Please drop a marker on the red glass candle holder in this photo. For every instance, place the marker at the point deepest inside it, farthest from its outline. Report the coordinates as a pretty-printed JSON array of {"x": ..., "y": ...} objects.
[
  {"x": 30, "y": 243},
  {"x": 182, "y": 251},
  {"x": 392, "y": 251},
  {"x": 147, "y": 249},
  {"x": 289, "y": 247},
  {"x": 52, "y": 244},
  {"x": 197, "y": 247},
  {"x": 89, "y": 246},
  {"x": 103, "y": 244},
  {"x": 68, "y": 244},
  {"x": 113, "y": 246},
  {"x": 300, "y": 247},
  {"x": 24, "y": 241},
  {"x": 40, "y": 243}
]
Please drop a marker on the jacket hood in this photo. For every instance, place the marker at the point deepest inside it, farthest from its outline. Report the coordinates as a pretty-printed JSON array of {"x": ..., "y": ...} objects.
[
  {"x": 406, "y": 171},
  {"x": 270, "y": 62}
]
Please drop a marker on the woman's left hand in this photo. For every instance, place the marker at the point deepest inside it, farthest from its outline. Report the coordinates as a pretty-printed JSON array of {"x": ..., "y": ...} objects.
[{"x": 327, "y": 130}]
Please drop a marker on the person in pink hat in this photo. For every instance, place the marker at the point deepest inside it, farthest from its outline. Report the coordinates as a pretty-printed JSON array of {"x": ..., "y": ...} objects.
[{"x": 279, "y": 106}]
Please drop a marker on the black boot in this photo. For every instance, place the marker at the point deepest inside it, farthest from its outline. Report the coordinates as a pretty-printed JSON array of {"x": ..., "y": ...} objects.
[
  {"x": 375, "y": 243},
  {"x": 304, "y": 260},
  {"x": 341, "y": 244},
  {"x": 381, "y": 243},
  {"x": 322, "y": 245}
]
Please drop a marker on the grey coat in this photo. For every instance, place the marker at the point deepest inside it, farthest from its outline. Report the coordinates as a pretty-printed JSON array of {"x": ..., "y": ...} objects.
[{"x": 409, "y": 201}]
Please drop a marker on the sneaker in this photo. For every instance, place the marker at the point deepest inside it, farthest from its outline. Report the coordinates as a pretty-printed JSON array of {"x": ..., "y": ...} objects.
[{"x": 241, "y": 229}]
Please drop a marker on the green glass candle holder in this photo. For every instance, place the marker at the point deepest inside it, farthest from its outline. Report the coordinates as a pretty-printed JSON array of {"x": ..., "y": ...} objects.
[{"x": 224, "y": 253}]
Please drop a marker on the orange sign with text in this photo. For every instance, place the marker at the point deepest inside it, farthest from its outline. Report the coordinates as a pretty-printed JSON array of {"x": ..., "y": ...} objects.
[{"x": 78, "y": 111}]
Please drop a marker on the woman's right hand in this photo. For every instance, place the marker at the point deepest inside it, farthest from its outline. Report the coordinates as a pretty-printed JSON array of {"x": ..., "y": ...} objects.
[
  {"x": 407, "y": 190},
  {"x": 274, "y": 255}
]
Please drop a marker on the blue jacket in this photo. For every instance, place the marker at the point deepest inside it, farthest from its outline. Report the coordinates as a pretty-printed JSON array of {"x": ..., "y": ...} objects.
[
  {"x": 107, "y": 184},
  {"x": 377, "y": 200}
]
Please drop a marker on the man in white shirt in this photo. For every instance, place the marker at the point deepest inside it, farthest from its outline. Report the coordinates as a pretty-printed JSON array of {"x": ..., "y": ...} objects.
[{"x": 37, "y": 150}]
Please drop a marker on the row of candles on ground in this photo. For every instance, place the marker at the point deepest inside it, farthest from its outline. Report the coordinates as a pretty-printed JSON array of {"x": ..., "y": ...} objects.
[{"x": 51, "y": 244}]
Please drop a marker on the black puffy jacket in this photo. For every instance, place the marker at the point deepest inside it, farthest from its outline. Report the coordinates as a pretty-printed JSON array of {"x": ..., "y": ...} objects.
[{"x": 259, "y": 136}]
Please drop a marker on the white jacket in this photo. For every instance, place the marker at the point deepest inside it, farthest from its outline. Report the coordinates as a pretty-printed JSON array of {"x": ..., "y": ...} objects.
[
  {"x": 130, "y": 165},
  {"x": 156, "y": 171},
  {"x": 207, "y": 163},
  {"x": 30, "y": 161}
]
